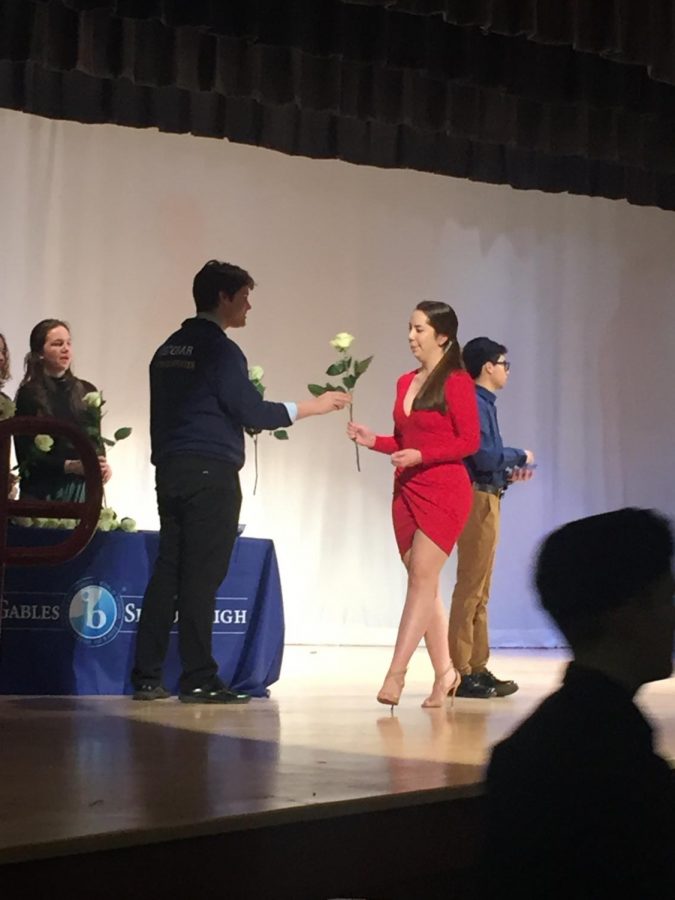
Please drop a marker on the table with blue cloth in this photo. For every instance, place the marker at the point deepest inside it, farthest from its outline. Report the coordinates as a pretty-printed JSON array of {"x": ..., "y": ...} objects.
[{"x": 70, "y": 628}]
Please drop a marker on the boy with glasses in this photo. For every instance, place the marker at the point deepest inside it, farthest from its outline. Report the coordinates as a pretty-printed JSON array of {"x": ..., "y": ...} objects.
[{"x": 491, "y": 469}]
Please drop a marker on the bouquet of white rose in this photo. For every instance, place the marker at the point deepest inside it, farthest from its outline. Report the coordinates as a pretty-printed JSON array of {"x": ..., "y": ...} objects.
[
  {"x": 108, "y": 521},
  {"x": 7, "y": 408},
  {"x": 42, "y": 444},
  {"x": 93, "y": 414},
  {"x": 255, "y": 374}
]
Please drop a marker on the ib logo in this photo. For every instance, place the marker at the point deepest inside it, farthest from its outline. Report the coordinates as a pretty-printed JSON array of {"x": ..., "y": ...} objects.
[{"x": 95, "y": 613}]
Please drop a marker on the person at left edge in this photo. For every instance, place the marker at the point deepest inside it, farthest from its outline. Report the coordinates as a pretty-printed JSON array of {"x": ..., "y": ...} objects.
[
  {"x": 7, "y": 404},
  {"x": 201, "y": 399}
]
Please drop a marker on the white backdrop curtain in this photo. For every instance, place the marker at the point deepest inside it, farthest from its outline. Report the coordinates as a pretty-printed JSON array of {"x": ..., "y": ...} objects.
[{"x": 105, "y": 227}]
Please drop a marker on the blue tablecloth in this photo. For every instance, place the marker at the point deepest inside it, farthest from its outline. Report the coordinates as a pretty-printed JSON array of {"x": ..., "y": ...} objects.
[{"x": 70, "y": 629}]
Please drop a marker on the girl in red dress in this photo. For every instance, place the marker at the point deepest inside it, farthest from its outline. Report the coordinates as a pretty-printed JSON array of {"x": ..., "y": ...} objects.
[{"x": 435, "y": 426}]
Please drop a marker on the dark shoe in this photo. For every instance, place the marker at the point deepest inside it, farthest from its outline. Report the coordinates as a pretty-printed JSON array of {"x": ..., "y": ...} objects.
[
  {"x": 474, "y": 689},
  {"x": 502, "y": 688},
  {"x": 151, "y": 692},
  {"x": 212, "y": 693}
]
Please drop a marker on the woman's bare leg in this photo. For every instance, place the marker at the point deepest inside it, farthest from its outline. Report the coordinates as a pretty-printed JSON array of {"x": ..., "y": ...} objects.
[
  {"x": 436, "y": 637},
  {"x": 424, "y": 562}
]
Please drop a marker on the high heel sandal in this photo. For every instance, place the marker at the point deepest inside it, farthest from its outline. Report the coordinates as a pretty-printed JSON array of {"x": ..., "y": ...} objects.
[
  {"x": 444, "y": 686},
  {"x": 391, "y": 697}
]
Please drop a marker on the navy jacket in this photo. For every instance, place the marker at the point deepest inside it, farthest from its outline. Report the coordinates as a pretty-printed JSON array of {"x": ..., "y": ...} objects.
[{"x": 201, "y": 398}]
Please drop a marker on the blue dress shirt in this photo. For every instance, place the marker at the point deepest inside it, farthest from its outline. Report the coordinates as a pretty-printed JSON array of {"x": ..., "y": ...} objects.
[{"x": 490, "y": 464}]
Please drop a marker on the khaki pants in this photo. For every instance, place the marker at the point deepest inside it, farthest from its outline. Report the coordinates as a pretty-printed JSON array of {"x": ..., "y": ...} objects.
[{"x": 476, "y": 547}]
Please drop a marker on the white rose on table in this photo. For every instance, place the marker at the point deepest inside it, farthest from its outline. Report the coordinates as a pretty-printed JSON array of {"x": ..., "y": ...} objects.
[
  {"x": 342, "y": 340},
  {"x": 23, "y": 522},
  {"x": 106, "y": 525},
  {"x": 107, "y": 519},
  {"x": 255, "y": 373},
  {"x": 44, "y": 442},
  {"x": 128, "y": 524},
  {"x": 93, "y": 399}
]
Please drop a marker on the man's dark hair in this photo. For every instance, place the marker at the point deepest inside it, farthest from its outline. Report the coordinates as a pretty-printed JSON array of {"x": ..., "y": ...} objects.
[
  {"x": 215, "y": 277},
  {"x": 600, "y": 563},
  {"x": 479, "y": 351}
]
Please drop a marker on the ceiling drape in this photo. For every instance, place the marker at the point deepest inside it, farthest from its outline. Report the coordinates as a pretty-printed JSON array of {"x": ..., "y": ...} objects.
[{"x": 558, "y": 95}]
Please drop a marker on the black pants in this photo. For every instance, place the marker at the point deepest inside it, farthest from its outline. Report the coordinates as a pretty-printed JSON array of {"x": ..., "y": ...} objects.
[{"x": 199, "y": 501}]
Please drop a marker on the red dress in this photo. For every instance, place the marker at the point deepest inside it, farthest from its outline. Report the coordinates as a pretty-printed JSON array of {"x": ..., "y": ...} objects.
[{"x": 435, "y": 496}]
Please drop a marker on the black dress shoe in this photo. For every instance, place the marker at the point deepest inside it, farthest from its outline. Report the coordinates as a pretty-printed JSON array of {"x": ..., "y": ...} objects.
[
  {"x": 212, "y": 693},
  {"x": 473, "y": 688},
  {"x": 502, "y": 688},
  {"x": 151, "y": 692}
]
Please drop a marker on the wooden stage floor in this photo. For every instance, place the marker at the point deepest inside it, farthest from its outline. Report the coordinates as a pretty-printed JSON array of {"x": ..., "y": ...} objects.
[{"x": 87, "y": 773}]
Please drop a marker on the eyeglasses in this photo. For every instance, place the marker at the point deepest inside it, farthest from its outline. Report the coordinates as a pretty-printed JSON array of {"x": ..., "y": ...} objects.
[{"x": 505, "y": 363}]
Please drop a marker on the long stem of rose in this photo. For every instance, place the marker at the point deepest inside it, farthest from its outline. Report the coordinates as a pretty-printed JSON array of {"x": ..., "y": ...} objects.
[{"x": 356, "y": 446}]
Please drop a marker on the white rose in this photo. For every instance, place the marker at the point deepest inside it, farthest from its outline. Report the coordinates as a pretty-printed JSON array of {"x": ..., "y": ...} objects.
[
  {"x": 44, "y": 442},
  {"x": 93, "y": 399},
  {"x": 342, "y": 341},
  {"x": 256, "y": 373},
  {"x": 107, "y": 514},
  {"x": 128, "y": 524}
]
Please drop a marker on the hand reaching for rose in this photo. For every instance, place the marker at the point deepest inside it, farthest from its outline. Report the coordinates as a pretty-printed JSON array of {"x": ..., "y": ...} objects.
[
  {"x": 403, "y": 459},
  {"x": 363, "y": 436},
  {"x": 360, "y": 435},
  {"x": 330, "y": 401},
  {"x": 333, "y": 400}
]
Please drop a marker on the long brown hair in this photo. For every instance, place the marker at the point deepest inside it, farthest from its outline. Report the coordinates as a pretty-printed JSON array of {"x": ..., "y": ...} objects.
[
  {"x": 443, "y": 319},
  {"x": 41, "y": 385},
  {"x": 5, "y": 374}
]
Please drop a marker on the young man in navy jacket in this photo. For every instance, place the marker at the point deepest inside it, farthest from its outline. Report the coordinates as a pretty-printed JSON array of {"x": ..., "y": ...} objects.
[{"x": 201, "y": 400}]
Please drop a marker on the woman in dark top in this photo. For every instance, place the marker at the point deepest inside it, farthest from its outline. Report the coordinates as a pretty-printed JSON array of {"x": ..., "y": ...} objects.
[{"x": 49, "y": 388}]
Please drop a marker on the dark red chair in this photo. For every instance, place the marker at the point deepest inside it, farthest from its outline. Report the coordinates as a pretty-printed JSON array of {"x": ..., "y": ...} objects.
[{"x": 87, "y": 512}]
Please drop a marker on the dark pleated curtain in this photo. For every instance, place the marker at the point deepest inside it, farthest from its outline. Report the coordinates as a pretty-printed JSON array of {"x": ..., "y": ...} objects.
[{"x": 558, "y": 95}]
